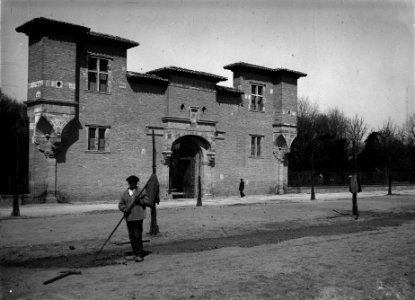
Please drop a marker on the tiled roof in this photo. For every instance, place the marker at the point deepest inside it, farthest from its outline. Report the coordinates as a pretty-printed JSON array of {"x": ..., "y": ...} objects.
[
  {"x": 127, "y": 42},
  {"x": 228, "y": 89},
  {"x": 41, "y": 22},
  {"x": 244, "y": 65},
  {"x": 173, "y": 69},
  {"x": 49, "y": 25},
  {"x": 145, "y": 76}
]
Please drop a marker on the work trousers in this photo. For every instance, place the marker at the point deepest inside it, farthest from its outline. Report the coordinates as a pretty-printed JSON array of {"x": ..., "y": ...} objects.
[{"x": 135, "y": 234}]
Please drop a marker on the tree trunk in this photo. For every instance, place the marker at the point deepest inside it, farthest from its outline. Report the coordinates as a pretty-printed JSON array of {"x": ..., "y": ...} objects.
[
  {"x": 16, "y": 210},
  {"x": 389, "y": 176},
  {"x": 389, "y": 184},
  {"x": 313, "y": 194},
  {"x": 355, "y": 210}
]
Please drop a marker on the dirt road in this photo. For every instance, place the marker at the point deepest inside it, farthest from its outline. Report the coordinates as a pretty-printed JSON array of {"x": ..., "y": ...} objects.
[{"x": 295, "y": 251}]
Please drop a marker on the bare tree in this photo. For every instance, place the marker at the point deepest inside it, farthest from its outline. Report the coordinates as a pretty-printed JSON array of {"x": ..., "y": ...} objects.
[
  {"x": 387, "y": 139},
  {"x": 307, "y": 109},
  {"x": 308, "y": 114},
  {"x": 357, "y": 129},
  {"x": 410, "y": 130},
  {"x": 338, "y": 123}
]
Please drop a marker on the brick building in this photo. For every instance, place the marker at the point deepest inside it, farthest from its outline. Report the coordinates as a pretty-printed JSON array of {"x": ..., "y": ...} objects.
[{"x": 92, "y": 121}]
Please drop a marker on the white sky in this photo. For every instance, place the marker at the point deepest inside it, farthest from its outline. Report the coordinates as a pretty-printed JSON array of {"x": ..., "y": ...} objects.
[{"x": 359, "y": 55}]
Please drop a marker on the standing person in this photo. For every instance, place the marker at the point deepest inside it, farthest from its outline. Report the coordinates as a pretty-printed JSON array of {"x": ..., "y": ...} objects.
[
  {"x": 355, "y": 188},
  {"x": 241, "y": 188},
  {"x": 132, "y": 204}
]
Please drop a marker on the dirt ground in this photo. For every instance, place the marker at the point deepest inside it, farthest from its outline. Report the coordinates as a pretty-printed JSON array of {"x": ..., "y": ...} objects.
[{"x": 266, "y": 251}]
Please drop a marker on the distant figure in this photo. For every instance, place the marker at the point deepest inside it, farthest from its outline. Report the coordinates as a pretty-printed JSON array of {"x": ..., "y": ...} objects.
[
  {"x": 241, "y": 188},
  {"x": 355, "y": 188},
  {"x": 320, "y": 179}
]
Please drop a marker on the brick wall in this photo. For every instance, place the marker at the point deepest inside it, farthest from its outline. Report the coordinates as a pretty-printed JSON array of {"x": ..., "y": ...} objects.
[
  {"x": 234, "y": 159},
  {"x": 52, "y": 60},
  {"x": 191, "y": 97},
  {"x": 126, "y": 110},
  {"x": 286, "y": 100}
]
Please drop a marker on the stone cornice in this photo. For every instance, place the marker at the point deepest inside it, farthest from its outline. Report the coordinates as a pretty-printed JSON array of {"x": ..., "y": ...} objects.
[
  {"x": 50, "y": 101},
  {"x": 283, "y": 125},
  {"x": 187, "y": 120}
]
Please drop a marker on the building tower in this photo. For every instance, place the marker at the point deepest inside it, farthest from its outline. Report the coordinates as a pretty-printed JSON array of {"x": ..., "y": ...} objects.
[
  {"x": 56, "y": 70},
  {"x": 274, "y": 90}
]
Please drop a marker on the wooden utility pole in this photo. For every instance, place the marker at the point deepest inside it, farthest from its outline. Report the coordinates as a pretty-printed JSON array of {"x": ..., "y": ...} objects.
[
  {"x": 199, "y": 187},
  {"x": 154, "y": 229},
  {"x": 199, "y": 191}
]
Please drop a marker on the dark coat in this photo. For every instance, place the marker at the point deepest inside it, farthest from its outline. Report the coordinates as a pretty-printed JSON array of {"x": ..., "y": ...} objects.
[
  {"x": 241, "y": 186},
  {"x": 153, "y": 191},
  {"x": 355, "y": 186},
  {"x": 126, "y": 201}
]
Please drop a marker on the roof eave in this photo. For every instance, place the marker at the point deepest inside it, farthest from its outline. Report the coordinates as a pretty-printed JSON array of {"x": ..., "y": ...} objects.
[
  {"x": 166, "y": 71},
  {"x": 224, "y": 89},
  {"x": 263, "y": 70},
  {"x": 125, "y": 43},
  {"x": 144, "y": 76},
  {"x": 42, "y": 24}
]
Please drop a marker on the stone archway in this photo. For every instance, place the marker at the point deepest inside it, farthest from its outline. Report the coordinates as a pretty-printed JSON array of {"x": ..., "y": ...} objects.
[
  {"x": 186, "y": 165},
  {"x": 282, "y": 145},
  {"x": 49, "y": 123}
]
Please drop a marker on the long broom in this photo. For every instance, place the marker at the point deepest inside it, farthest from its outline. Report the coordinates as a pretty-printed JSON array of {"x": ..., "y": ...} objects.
[{"x": 109, "y": 237}]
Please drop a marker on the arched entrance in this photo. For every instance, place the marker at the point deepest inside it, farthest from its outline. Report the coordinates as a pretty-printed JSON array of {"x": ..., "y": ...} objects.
[{"x": 185, "y": 166}]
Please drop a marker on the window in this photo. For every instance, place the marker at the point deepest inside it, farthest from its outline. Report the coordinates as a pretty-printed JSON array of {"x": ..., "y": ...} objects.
[
  {"x": 96, "y": 138},
  {"x": 257, "y": 97},
  {"x": 98, "y": 75},
  {"x": 256, "y": 143}
]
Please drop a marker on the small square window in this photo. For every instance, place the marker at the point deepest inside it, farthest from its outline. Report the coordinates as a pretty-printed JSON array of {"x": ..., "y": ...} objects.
[
  {"x": 256, "y": 145},
  {"x": 257, "y": 97},
  {"x": 98, "y": 75},
  {"x": 97, "y": 139}
]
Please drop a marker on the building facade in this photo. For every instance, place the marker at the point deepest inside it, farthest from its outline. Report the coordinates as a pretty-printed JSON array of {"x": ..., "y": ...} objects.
[{"x": 92, "y": 122}]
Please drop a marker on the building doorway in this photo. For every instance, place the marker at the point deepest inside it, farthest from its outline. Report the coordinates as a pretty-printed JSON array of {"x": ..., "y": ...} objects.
[{"x": 185, "y": 166}]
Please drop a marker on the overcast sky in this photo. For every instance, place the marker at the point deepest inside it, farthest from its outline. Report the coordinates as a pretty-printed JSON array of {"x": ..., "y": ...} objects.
[{"x": 359, "y": 55}]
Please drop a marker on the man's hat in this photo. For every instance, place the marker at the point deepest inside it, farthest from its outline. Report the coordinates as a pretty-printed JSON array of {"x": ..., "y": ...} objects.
[{"x": 132, "y": 179}]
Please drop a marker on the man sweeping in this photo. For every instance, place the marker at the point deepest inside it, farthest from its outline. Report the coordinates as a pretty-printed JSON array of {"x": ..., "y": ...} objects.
[{"x": 132, "y": 204}]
